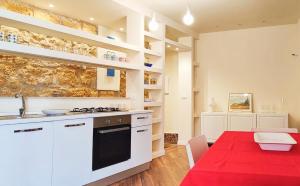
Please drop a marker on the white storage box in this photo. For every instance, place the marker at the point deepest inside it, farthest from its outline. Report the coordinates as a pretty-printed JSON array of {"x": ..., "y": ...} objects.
[{"x": 274, "y": 141}]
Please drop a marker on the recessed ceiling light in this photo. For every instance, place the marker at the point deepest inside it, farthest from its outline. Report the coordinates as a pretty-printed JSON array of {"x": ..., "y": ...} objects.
[
  {"x": 121, "y": 29},
  {"x": 92, "y": 19},
  {"x": 51, "y": 5},
  {"x": 168, "y": 46},
  {"x": 176, "y": 49}
]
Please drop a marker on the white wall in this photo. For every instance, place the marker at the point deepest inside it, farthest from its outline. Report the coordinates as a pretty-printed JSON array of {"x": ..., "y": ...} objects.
[{"x": 254, "y": 60}]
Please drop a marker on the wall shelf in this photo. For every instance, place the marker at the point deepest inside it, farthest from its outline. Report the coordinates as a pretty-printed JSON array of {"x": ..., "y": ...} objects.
[
  {"x": 153, "y": 104},
  {"x": 30, "y": 51},
  {"x": 153, "y": 70},
  {"x": 17, "y": 20},
  {"x": 157, "y": 137},
  {"x": 196, "y": 64},
  {"x": 174, "y": 44},
  {"x": 156, "y": 120},
  {"x": 152, "y": 87},
  {"x": 196, "y": 90},
  {"x": 151, "y": 37},
  {"x": 152, "y": 53}
]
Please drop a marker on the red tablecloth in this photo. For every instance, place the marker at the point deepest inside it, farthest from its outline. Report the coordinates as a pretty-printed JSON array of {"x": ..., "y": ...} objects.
[{"x": 236, "y": 160}]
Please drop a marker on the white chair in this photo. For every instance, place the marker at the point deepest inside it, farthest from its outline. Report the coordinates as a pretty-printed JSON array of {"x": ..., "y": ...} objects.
[
  {"x": 284, "y": 130},
  {"x": 195, "y": 148}
]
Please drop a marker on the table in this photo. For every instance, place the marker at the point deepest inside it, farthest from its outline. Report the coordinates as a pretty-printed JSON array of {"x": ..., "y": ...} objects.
[{"x": 236, "y": 160}]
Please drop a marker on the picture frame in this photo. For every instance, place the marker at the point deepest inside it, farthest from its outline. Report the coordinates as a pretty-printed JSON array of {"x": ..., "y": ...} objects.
[{"x": 240, "y": 102}]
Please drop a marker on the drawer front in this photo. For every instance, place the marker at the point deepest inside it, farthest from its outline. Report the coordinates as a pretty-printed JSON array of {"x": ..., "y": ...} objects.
[{"x": 141, "y": 120}]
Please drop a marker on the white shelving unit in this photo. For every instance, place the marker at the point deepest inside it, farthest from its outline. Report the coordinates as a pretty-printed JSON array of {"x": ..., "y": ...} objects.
[
  {"x": 156, "y": 56},
  {"x": 30, "y": 51},
  {"x": 196, "y": 106},
  {"x": 33, "y": 24}
]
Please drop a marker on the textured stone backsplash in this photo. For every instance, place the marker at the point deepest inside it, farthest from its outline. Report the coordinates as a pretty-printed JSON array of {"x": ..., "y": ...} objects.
[{"x": 42, "y": 78}]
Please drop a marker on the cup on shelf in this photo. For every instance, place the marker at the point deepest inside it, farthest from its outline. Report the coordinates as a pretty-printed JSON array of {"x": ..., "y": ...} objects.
[
  {"x": 12, "y": 38},
  {"x": 114, "y": 57},
  {"x": 1, "y": 36}
]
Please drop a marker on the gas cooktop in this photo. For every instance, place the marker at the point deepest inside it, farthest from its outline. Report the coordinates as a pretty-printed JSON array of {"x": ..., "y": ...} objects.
[{"x": 98, "y": 109}]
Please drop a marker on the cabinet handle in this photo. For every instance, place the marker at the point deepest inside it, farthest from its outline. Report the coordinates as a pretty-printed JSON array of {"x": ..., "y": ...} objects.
[
  {"x": 28, "y": 130},
  {"x": 142, "y": 117},
  {"x": 113, "y": 130},
  {"x": 75, "y": 125},
  {"x": 142, "y": 130}
]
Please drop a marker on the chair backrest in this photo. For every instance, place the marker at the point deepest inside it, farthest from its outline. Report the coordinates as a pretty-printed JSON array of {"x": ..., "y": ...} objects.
[
  {"x": 195, "y": 148},
  {"x": 285, "y": 130}
]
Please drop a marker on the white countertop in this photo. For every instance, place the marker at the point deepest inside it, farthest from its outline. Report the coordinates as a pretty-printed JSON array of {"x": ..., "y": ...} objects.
[{"x": 68, "y": 116}]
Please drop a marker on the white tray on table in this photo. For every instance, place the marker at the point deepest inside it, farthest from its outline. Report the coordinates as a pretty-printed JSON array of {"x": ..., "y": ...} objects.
[{"x": 274, "y": 141}]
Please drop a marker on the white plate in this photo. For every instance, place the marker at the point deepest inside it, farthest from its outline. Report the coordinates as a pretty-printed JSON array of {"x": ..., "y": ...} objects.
[
  {"x": 55, "y": 111},
  {"x": 274, "y": 141}
]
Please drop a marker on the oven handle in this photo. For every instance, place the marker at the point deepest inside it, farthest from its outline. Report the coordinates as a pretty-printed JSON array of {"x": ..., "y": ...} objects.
[{"x": 113, "y": 130}]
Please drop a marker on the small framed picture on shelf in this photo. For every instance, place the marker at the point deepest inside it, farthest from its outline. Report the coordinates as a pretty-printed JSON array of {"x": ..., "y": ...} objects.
[{"x": 240, "y": 102}]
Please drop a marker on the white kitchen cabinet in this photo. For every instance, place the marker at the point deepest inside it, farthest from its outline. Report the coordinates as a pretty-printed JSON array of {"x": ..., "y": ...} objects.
[
  {"x": 241, "y": 121},
  {"x": 141, "y": 144},
  {"x": 213, "y": 125},
  {"x": 272, "y": 120},
  {"x": 72, "y": 152},
  {"x": 26, "y": 154}
]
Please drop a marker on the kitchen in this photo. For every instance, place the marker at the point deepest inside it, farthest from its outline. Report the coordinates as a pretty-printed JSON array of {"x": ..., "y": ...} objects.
[{"x": 112, "y": 92}]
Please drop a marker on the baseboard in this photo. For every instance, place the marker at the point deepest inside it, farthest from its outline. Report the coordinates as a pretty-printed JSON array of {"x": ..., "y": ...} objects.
[{"x": 120, "y": 176}]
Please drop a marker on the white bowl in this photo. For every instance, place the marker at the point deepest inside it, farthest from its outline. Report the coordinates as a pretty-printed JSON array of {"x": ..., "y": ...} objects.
[
  {"x": 55, "y": 111},
  {"x": 274, "y": 141}
]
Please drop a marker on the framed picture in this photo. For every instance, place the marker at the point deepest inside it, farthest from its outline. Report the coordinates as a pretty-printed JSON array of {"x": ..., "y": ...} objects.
[{"x": 240, "y": 102}]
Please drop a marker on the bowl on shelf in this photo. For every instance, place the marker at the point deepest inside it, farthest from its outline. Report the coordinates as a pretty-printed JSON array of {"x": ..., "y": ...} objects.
[
  {"x": 53, "y": 112},
  {"x": 148, "y": 64}
]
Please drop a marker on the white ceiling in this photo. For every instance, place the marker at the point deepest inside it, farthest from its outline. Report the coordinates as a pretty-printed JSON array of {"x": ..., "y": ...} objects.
[
  {"x": 218, "y": 15},
  {"x": 210, "y": 15}
]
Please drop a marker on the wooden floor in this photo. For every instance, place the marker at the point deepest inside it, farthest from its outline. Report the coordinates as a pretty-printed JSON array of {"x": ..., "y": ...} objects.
[{"x": 167, "y": 170}]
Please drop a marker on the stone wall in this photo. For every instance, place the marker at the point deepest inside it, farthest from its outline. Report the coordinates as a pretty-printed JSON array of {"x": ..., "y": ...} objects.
[
  {"x": 26, "y": 9},
  {"x": 42, "y": 78}
]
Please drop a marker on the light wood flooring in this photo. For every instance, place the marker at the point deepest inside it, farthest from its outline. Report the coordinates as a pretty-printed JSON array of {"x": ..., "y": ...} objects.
[{"x": 167, "y": 170}]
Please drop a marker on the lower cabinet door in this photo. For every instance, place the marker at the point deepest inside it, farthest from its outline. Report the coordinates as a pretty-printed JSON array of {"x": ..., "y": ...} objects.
[
  {"x": 72, "y": 153},
  {"x": 269, "y": 122},
  {"x": 26, "y": 154},
  {"x": 212, "y": 126},
  {"x": 141, "y": 145},
  {"x": 241, "y": 122}
]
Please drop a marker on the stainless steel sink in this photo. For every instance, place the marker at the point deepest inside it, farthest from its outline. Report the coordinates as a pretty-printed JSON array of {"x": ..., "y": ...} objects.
[{"x": 9, "y": 117}]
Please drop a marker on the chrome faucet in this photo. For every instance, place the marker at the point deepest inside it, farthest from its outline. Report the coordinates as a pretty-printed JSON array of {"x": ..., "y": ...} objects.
[{"x": 23, "y": 108}]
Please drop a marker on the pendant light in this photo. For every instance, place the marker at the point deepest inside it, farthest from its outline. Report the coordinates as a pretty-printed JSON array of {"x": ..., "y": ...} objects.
[
  {"x": 153, "y": 24},
  {"x": 188, "y": 18}
]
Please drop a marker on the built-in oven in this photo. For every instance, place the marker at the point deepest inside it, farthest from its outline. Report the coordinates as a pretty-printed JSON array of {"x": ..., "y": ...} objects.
[{"x": 111, "y": 140}]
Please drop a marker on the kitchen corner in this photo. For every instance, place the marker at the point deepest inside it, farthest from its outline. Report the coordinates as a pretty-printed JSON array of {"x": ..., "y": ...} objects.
[{"x": 75, "y": 148}]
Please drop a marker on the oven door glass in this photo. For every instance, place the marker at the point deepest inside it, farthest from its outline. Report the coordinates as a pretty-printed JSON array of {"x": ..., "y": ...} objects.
[{"x": 111, "y": 145}]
